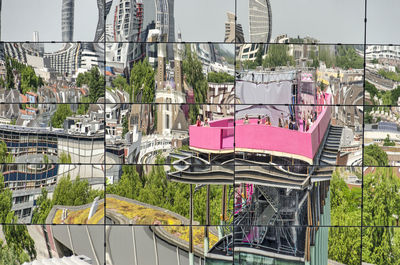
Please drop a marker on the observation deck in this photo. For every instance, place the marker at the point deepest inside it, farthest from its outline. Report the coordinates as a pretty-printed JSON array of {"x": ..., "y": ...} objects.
[
  {"x": 216, "y": 138},
  {"x": 220, "y": 136}
]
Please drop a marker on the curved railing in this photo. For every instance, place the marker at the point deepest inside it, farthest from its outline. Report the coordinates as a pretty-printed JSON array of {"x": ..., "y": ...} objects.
[
  {"x": 281, "y": 141},
  {"x": 255, "y": 137},
  {"x": 18, "y": 175},
  {"x": 217, "y": 137}
]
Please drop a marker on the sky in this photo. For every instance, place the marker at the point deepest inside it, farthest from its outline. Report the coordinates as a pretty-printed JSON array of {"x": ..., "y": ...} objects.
[
  {"x": 19, "y": 18},
  {"x": 383, "y": 21},
  {"x": 330, "y": 21},
  {"x": 202, "y": 20}
]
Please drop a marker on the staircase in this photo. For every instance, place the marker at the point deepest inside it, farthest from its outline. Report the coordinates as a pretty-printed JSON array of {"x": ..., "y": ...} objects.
[{"x": 331, "y": 146}]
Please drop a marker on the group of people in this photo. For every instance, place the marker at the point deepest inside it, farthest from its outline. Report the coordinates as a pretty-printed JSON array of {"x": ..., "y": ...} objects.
[
  {"x": 308, "y": 119},
  {"x": 199, "y": 123},
  {"x": 291, "y": 123}
]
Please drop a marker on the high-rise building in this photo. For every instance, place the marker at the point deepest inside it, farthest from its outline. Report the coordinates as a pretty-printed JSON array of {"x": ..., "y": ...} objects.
[
  {"x": 165, "y": 23},
  {"x": 67, "y": 20},
  {"x": 67, "y": 60},
  {"x": 126, "y": 27},
  {"x": 233, "y": 32},
  {"x": 35, "y": 36},
  {"x": 260, "y": 19},
  {"x": 171, "y": 29},
  {"x": 104, "y": 8},
  {"x": 128, "y": 20},
  {"x": 36, "y": 45}
]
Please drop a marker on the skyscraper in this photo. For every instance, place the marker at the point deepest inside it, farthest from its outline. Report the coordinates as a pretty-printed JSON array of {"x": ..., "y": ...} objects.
[
  {"x": 260, "y": 20},
  {"x": 67, "y": 20},
  {"x": 165, "y": 22},
  {"x": 35, "y": 36},
  {"x": 233, "y": 32},
  {"x": 36, "y": 45},
  {"x": 128, "y": 20},
  {"x": 171, "y": 29},
  {"x": 104, "y": 8}
]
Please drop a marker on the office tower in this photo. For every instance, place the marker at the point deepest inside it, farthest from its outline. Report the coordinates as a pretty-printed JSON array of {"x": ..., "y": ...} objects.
[
  {"x": 67, "y": 20},
  {"x": 104, "y": 8},
  {"x": 260, "y": 19},
  {"x": 233, "y": 32}
]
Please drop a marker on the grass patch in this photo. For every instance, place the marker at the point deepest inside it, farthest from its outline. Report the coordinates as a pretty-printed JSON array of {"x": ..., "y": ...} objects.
[
  {"x": 141, "y": 214},
  {"x": 198, "y": 234},
  {"x": 80, "y": 216}
]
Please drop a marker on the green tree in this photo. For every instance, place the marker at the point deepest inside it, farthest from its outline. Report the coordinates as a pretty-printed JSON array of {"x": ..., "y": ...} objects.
[
  {"x": 121, "y": 83},
  {"x": 40, "y": 81},
  {"x": 193, "y": 71},
  {"x": 5, "y": 200},
  {"x": 8, "y": 255},
  {"x": 372, "y": 90},
  {"x": 5, "y": 156},
  {"x": 348, "y": 58},
  {"x": 375, "y": 156},
  {"x": 82, "y": 79},
  {"x": 142, "y": 82},
  {"x": 2, "y": 83},
  {"x": 394, "y": 95},
  {"x": 381, "y": 208},
  {"x": 325, "y": 55},
  {"x": 389, "y": 75},
  {"x": 18, "y": 238},
  {"x": 65, "y": 158},
  {"x": 63, "y": 111},
  {"x": 129, "y": 184},
  {"x": 95, "y": 81},
  {"x": 96, "y": 84},
  {"x": 194, "y": 111},
  {"x": 73, "y": 193},
  {"x": 248, "y": 64},
  {"x": 29, "y": 80},
  {"x": 125, "y": 126},
  {"x": 315, "y": 60},
  {"x": 9, "y": 74},
  {"x": 220, "y": 77},
  {"x": 259, "y": 55},
  {"x": 387, "y": 142},
  {"x": 43, "y": 207},
  {"x": 345, "y": 245},
  {"x": 344, "y": 242},
  {"x": 278, "y": 56},
  {"x": 83, "y": 106}
]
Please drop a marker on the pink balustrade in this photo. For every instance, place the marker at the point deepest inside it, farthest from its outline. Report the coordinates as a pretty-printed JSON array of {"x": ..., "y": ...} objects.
[{"x": 219, "y": 135}]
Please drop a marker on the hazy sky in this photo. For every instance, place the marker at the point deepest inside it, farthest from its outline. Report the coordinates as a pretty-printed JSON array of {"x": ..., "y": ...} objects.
[
  {"x": 383, "y": 21},
  {"x": 326, "y": 20},
  {"x": 330, "y": 21},
  {"x": 19, "y": 18},
  {"x": 202, "y": 20}
]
